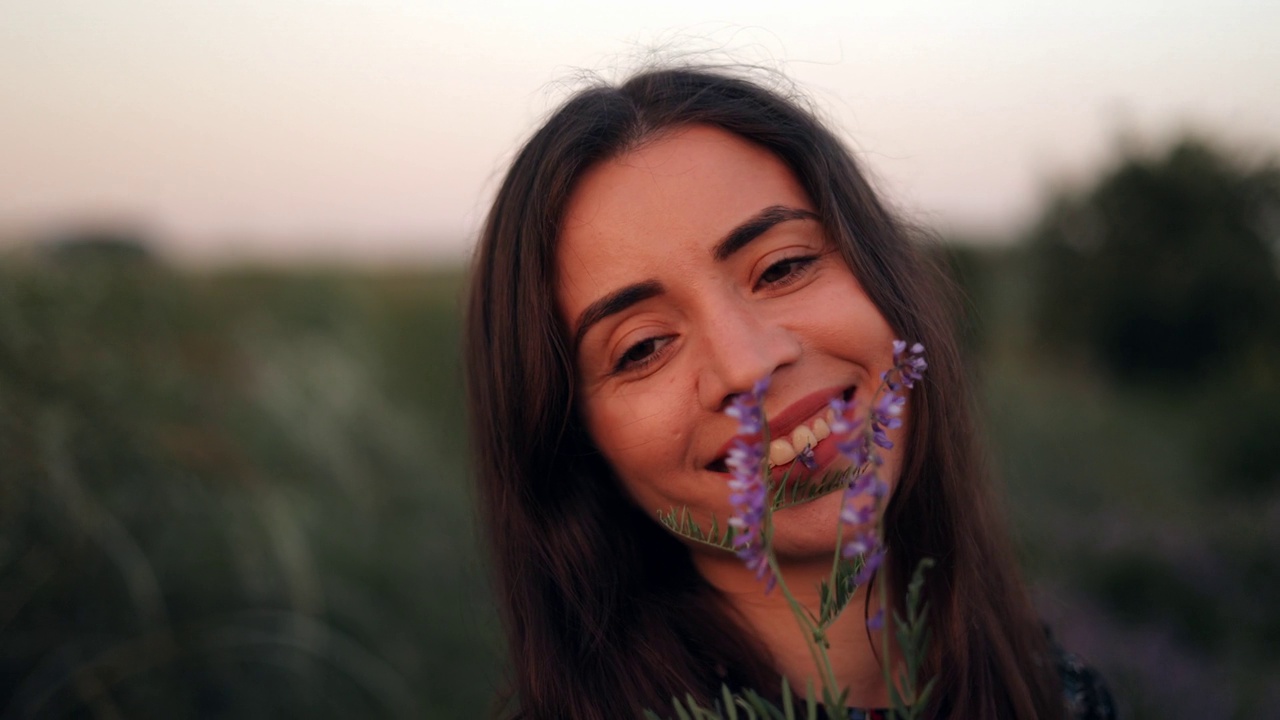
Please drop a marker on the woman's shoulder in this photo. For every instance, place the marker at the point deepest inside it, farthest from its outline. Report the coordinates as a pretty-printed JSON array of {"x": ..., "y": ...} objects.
[{"x": 1085, "y": 693}]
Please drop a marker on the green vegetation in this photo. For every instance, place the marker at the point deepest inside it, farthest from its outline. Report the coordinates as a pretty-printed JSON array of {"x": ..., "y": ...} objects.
[
  {"x": 1129, "y": 359},
  {"x": 1165, "y": 271},
  {"x": 239, "y": 495},
  {"x": 1148, "y": 553},
  {"x": 243, "y": 494}
]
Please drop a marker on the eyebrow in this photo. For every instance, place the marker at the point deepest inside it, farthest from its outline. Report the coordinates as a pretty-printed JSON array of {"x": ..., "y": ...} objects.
[
  {"x": 757, "y": 225},
  {"x": 614, "y": 303},
  {"x": 738, "y": 238}
]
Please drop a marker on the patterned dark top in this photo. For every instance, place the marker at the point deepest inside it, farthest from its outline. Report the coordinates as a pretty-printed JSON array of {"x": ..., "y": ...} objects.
[
  {"x": 1083, "y": 689},
  {"x": 1084, "y": 692}
]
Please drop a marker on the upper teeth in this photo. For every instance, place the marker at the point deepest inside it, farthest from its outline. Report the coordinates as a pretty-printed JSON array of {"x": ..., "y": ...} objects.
[{"x": 784, "y": 449}]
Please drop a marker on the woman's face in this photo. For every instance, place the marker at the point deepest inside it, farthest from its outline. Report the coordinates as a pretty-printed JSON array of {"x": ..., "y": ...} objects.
[{"x": 688, "y": 269}]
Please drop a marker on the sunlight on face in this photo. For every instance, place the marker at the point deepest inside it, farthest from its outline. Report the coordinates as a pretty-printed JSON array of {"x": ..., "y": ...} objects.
[{"x": 688, "y": 269}]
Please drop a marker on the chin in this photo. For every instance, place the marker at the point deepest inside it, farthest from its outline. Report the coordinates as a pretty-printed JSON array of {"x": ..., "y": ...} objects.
[{"x": 808, "y": 531}]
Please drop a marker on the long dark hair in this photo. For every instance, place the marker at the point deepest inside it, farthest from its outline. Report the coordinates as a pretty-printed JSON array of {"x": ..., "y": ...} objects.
[{"x": 604, "y": 612}]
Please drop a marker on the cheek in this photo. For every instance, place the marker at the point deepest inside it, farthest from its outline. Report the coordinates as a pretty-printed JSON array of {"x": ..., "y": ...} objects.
[
  {"x": 640, "y": 433},
  {"x": 851, "y": 323}
]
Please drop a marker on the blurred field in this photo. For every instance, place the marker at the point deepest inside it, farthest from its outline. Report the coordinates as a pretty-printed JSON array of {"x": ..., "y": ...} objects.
[
  {"x": 1148, "y": 515},
  {"x": 243, "y": 494},
  {"x": 235, "y": 495}
]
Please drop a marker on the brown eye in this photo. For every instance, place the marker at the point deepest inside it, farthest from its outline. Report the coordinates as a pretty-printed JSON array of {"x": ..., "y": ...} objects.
[
  {"x": 784, "y": 272},
  {"x": 642, "y": 353}
]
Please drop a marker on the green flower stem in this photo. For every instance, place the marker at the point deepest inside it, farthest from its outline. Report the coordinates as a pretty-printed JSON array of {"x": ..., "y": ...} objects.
[
  {"x": 815, "y": 636},
  {"x": 834, "y": 578},
  {"x": 886, "y": 619}
]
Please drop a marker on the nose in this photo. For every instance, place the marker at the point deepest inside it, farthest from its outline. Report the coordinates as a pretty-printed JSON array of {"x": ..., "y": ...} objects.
[{"x": 741, "y": 346}]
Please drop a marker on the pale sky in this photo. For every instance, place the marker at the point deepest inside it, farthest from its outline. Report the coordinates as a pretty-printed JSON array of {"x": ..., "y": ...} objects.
[{"x": 376, "y": 130}]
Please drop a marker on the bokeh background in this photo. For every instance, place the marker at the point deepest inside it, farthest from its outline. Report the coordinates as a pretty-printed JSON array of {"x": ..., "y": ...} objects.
[{"x": 232, "y": 245}]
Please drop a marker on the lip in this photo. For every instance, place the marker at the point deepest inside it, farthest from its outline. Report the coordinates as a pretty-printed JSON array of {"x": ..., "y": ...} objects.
[{"x": 795, "y": 414}]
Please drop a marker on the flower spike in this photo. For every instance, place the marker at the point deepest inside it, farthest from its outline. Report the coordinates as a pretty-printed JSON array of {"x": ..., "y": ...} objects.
[
  {"x": 866, "y": 491},
  {"x": 748, "y": 489}
]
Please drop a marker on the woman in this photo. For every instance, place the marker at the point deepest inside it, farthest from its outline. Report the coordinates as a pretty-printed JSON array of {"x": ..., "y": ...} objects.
[{"x": 655, "y": 249}]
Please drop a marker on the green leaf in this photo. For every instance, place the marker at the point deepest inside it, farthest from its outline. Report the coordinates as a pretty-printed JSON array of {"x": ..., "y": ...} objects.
[
  {"x": 700, "y": 712},
  {"x": 895, "y": 699},
  {"x": 917, "y": 583},
  {"x": 800, "y": 492},
  {"x": 912, "y": 633},
  {"x": 923, "y": 700},
  {"x": 832, "y": 601},
  {"x": 680, "y": 521},
  {"x": 730, "y": 705},
  {"x": 842, "y": 699},
  {"x": 788, "y": 704},
  {"x": 763, "y": 708},
  {"x": 711, "y": 713}
]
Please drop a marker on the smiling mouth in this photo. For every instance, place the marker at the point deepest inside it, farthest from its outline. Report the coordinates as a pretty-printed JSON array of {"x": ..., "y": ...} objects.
[{"x": 785, "y": 448}]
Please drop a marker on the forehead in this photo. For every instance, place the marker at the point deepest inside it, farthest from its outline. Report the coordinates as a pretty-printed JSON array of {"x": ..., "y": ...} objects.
[{"x": 664, "y": 206}]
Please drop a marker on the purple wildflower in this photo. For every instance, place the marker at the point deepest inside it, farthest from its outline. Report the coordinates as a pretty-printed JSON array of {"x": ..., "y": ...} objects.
[
  {"x": 856, "y": 449},
  {"x": 748, "y": 489},
  {"x": 871, "y": 561},
  {"x": 909, "y": 365},
  {"x": 748, "y": 409},
  {"x": 859, "y": 440},
  {"x": 806, "y": 457},
  {"x": 862, "y": 543},
  {"x": 876, "y": 622},
  {"x": 885, "y": 416},
  {"x": 843, "y": 422},
  {"x": 853, "y": 515},
  {"x": 866, "y": 491}
]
